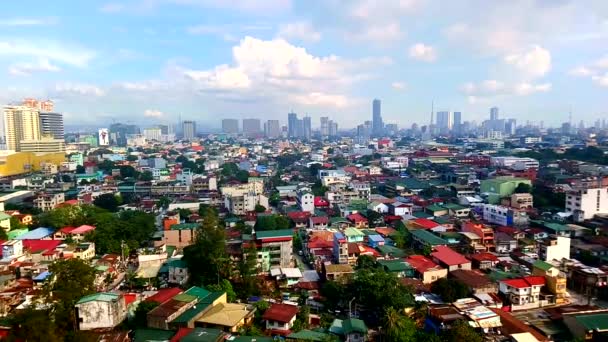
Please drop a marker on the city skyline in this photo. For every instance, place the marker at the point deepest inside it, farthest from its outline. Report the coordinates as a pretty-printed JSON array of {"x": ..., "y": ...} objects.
[{"x": 283, "y": 55}]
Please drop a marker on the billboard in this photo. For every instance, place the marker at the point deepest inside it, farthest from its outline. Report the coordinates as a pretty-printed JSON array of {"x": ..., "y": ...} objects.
[{"x": 104, "y": 137}]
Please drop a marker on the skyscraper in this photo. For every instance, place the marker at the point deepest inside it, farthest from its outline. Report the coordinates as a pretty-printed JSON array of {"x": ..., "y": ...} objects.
[
  {"x": 457, "y": 125},
  {"x": 20, "y": 123},
  {"x": 230, "y": 126},
  {"x": 494, "y": 113},
  {"x": 251, "y": 127},
  {"x": 273, "y": 129},
  {"x": 333, "y": 128},
  {"x": 324, "y": 126},
  {"x": 188, "y": 130},
  {"x": 377, "y": 124},
  {"x": 51, "y": 125},
  {"x": 444, "y": 121},
  {"x": 292, "y": 125},
  {"x": 306, "y": 128}
]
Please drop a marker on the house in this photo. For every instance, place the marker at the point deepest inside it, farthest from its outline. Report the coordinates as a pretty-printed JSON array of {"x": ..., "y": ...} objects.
[
  {"x": 424, "y": 239},
  {"x": 485, "y": 233},
  {"x": 286, "y": 276},
  {"x": 447, "y": 257},
  {"x": 358, "y": 220},
  {"x": 100, "y": 311},
  {"x": 354, "y": 235},
  {"x": 340, "y": 273},
  {"x": 484, "y": 261},
  {"x": 554, "y": 249},
  {"x": 229, "y": 317},
  {"x": 590, "y": 325},
  {"x": 375, "y": 240},
  {"x": 378, "y": 207},
  {"x": 397, "y": 267},
  {"x": 319, "y": 222},
  {"x": 5, "y": 221},
  {"x": 556, "y": 280},
  {"x": 504, "y": 243},
  {"x": 426, "y": 270},
  {"x": 75, "y": 233},
  {"x": 476, "y": 281},
  {"x": 522, "y": 291},
  {"x": 399, "y": 209},
  {"x": 320, "y": 244},
  {"x": 178, "y": 271},
  {"x": 280, "y": 318},
  {"x": 351, "y": 329},
  {"x": 340, "y": 248},
  {"x": 306, "y": 200}
]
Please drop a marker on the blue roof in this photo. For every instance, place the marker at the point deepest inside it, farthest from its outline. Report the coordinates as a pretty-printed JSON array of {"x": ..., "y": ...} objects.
[
  {"x": 38, "y": 233},
  {"x": 376, "y": 238},
  {"x": 42, "y": 276},
  {"x": 338, "y": 235}
]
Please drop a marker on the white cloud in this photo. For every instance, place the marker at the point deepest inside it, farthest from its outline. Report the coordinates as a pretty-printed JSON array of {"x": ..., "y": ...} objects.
[
  {"x": 255, "y": 6},
  {"x": 153, "y": 113},
  {"x": 77, "y": 89},
  {"x": 492, "y": 89},
  {"x": 112, "y": 8},
  {"x": 301, "y": 30},
  {"x": 378, "y": 33},
  {"x": 15, "y": 22},
  {"x": 422, "y": 52},
  {"x": 27, "y": 69},
  {"x": 60, "y": 53},
  {"x": 321, "y": 100},
  {"x": 601, "y": 80},
  {"x": 399, "y": 85},
  {"x": 581, "y": 71},
  {"x": 533, "y": 63},
  {"x": 601, "y": 63}
]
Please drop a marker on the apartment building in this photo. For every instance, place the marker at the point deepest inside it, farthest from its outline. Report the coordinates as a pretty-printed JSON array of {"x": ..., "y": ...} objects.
[
  {"x": 46, "y": 202},
  {"x": 585, "y": 203}
]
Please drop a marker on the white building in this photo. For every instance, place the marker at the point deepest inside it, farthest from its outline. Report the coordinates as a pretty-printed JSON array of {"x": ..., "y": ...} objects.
[
  {"x": 241, "y": 204},
  {"x": 522, "y": 291},
  {"x": 503, "y": 216},
  {"x": 515, "y": 163},
  {"x": 47, "y": 202},
  {"x": 306, "y": 201},
  {"x": 101, "y": 311},
  {"x": 554, "y": 249},
  {"x": 12, "y": 249},
  {"x": 153, "y": 133},
  {"x": 585, "y": 203}
]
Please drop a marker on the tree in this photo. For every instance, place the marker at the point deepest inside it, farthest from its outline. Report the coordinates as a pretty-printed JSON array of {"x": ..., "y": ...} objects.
[
  {"x": 66, "y": 178},
  {"x": 398, "y": 327},
  {"x": 248, "y": 271},
  {"x": 16, "y": 223},
  {"x": 224, "y": 286},
  {"x": 132, "y": 158},
  {"x": 163, "y": 202},
  {"x": 242, "y": 176},
  {"x": 260, "y": 208},
  {"x": 380, "y": 290},
  {"x": 450, "y": 289},
  {"x": 333, "y": 292},
  {"x": 374, "y": 218},
  {"x": 206, "y": 257},
  {"x": 107, "y": 201},
  {"x": 34, "y": 325},
  {"x": 366, "y": 262},
  {"x": 128, "y": 171},
  {"x": 462, "y": 331},
  {"x": 72, "y": 279},
  {"x": 140, "y": 317},
  {"x": 146, "y": 176},
  {"x": 80, "y": 169},
  {"x": 523, "y": 188},
  {"x": 133, "y": 228}
]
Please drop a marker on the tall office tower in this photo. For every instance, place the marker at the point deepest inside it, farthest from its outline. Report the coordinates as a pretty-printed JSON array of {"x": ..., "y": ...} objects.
[
  {"x": 510, "y": 126},
  {"x": 333, "y": 128},
  {"x": 230, "y": 126},
  {"x": 378, "y": 125},
  {"x": 51, "y": 125},
  {"x": 306, "y": 128},
  {"x": 324, "y": 126},
  {"x": 164, "y": 129},
  {"x": 153, "y": 133},
  {"x": 251, "y": 127},
  {"x": 457, "y": 125},
  {"x": 20, "y": 123},
  {"x": 273, "y": 129},
  {"x": 292, "y": 123},
  {"x": 494, "y": 113},
  {"x": 188, "y": 130},
  {"x": 444, "y": 122}
]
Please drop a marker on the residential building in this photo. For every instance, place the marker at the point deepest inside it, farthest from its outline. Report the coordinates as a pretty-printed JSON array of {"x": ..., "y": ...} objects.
[
  {"x": 340, "y": 249},
  {"x": 485, "y": 233},
  {"x": 556, "y": 280},
  {"x": 450, "y": 259},
  {"x": 278, "y": 244},
  {"x": 377, "y": 123},
  {"x": 426, "y": 270},
  {"x": 280, "y": 317},
  {"x": 153, "y": 133},
  {"x": 522, "y": 201},
  {"x": 305, "y": 200},
  {"x": 230, "y": 126},
  {"x": 251, "y": 127},
  {"x": 586, "y": 203},
  {"x": 100, "y": 311},
  {"x": 273, "y": 129},
  {"x": 554, "y": 249},
  {"x": 46, "y": 202},
  {"x": 51, "y": 125},
  {"x": 504, "y": 216},
  {"x": 189, "y": 130},
  {"x": 444, "y": 122},
  {"x": 497, "y": 188},
  {"x": 20, "y": 123},
  {"x": 515, "y": 163},
  {"x": 523, "y": 292},
  {"x": 242, "y": 204}
]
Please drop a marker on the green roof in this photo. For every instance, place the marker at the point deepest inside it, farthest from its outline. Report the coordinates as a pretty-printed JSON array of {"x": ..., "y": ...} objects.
[
  {"x": 307, "y": 335},
  {"x": 267, "y": 234},
  {"x": 203, "y": 335},
  {"x": 338, "y": 219},
  {"x": 556, "y": 227},
  {"x": 395, "y": 265},
  {"x": 421, "y": 214},
  {"x": 177, "y": 263},
  {"x": 412, "y": 184},
  {"x": 428, "y": 237},
  {"x": 152, "y": 335},
  {"x": 102, "y": 297},
  {"x": 545, "y": 266},
  {"x": 393, "y": 251},
  {"x": 594, "y": 322},
  {"x": 198, "y": 292},
  {"x": 4, "y": 216},
  {"x": 354, "y": 325},
  {"x": 184, "y": 297},
  {"x": 252, "y": 339},
  {"x": 353, "y": 232},
  {"x": 454, "y": 206},
  {"x": 190, "y": 314},
  {"x": 13, "y": 234},
  {"x": 184, "y": 226},
  {"x": 434, "y": 208}
]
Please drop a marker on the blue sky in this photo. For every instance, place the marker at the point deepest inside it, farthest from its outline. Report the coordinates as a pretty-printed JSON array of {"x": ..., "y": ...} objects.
[{"x": 148, "y": 61}]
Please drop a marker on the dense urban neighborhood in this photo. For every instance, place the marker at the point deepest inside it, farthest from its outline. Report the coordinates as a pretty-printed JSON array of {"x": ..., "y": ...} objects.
[{"x": 300, "y": 235}]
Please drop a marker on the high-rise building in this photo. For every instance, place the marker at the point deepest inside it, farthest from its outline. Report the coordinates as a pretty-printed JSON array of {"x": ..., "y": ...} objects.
[
  {"x": 457, "y": 125},
  {"x": 510, "y": 126},
  {"x": 43, "y": 106},
  {"x": 324, "y": 129},
  {"x": 292, "y": 125},
  {"x": 273, "y": 129},
  {"x": 251, "y": 127},
  {"x": 230, "y": 126},
  {"x": 444, "y": 122},
  {"x": 494, "y": 113},
  {"x": 164, "y": 129},
  {"x": 153, "y": 133},
  {"x": 188, "y": 130},
  {"x": 20, "y": 123},
  {"x": 377, "y": 123},
  {"x": 51, "y": 125},
  {"x": 118, "y": 133},
  {"x": 333, "y": 128},
  {"x": 306, "y": 128}
]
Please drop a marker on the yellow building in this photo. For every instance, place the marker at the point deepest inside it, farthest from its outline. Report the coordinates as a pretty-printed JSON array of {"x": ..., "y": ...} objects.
[
  {"x": 15, "y": 163},
  {"x": 44, "y": 145},
  {"x": 20, "y": 123},
  {"x": 556, "y": 280}
]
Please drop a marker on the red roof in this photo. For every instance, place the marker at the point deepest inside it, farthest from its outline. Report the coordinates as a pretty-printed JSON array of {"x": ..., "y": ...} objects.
[
  {"x": 164, "y": 295},
  {"x": 321, "y": 202},
  {"x": 448, "y": 256},
  {"x": 181, "y": 333},
  {"x": 283, "y": 313},
  {"x": 299, "y": 216},
  {"x": 317, "y": 242},
  {"x": 356, "y": 218},
  {"x": 484, "y": 257},
  {"x": 319, "y": 220},
  {"x": 518, "y": 283},
  {"x": 425, "y": 223},
  {"x": 130, "y": 298},
  {"x": 35, "y": 246},
  {"x": 421, "y": 263},
  {"x": 385, "y": 231},
  {"x": 67, "y": 229},
  {"x": 535, "y": 280},
  {"x": 82, "y": 229}
]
